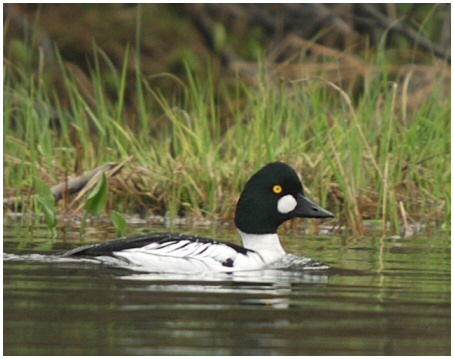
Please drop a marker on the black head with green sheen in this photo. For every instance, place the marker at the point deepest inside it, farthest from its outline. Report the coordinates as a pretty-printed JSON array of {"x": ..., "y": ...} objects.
[{"x": 272, "y": 196}]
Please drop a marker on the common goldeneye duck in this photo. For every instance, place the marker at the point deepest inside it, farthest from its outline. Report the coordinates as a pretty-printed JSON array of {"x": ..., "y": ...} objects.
[{"x": 272, "y": 196}]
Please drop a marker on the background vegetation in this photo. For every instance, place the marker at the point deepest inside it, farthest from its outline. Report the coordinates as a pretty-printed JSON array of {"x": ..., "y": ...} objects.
[{"x": 190, "y": 100}]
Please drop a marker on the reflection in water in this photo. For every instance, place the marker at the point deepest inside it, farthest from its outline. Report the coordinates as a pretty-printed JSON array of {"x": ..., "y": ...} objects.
[
  {"x": 275, "y": 284},
  {"x": 270, "y": 287},
  {"x": 393, "y": 300}
]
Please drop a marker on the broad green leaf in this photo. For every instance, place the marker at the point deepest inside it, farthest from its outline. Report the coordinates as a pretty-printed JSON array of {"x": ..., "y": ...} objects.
[
  {"x": 119, "y": 223},
  {"x": 43, "y": 192},
  {"x": 97, "y": 200},
  {"x": 50, "y": 214},
  {"x": 47, "y": 202}
]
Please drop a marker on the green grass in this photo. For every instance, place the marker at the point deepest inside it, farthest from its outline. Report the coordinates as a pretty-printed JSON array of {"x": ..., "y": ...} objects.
[{"x": 193, "y": 150}]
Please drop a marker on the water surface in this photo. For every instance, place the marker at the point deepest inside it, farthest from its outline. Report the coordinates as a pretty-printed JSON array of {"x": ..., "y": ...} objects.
[{"x": 382, "y": 296}]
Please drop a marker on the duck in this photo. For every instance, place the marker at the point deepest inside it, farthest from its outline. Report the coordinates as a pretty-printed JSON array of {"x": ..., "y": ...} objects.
[{"x": 272, "y": 196}]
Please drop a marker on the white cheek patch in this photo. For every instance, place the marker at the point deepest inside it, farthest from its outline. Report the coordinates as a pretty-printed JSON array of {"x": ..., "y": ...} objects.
[{"x": 286, "y": 204}]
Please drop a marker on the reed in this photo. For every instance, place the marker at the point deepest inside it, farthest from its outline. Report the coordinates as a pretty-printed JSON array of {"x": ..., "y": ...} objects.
[{"x": 192, "y": 152}]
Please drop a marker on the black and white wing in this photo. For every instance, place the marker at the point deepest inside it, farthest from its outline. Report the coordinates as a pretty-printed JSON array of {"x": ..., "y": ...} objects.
[{"x": 175, "y": 252}]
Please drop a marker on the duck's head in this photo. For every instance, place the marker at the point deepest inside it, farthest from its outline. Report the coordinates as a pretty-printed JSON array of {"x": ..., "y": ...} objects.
[{"x": 272, "y": 196}]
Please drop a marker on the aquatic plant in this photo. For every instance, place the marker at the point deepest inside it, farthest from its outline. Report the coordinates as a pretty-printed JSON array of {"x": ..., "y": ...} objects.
[{"x": 363, "y": 156}]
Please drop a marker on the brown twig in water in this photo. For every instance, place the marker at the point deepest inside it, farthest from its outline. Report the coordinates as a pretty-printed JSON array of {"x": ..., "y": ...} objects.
[{"x": 73, "y": 185}]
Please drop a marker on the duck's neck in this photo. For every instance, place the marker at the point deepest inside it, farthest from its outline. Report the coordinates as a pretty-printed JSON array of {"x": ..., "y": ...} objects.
[{"x": 267, "y": 245}]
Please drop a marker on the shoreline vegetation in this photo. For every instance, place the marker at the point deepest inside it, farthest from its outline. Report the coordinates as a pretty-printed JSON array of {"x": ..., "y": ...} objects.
[{"x": 373, "y": 146}]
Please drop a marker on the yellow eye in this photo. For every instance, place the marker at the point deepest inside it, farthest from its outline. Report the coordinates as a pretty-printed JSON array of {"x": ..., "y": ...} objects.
[{"x": 277, "y": 189}]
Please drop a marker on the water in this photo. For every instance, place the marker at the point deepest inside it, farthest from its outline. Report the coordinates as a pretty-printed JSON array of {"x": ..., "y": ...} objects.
[{"x": 380, "y": 297}]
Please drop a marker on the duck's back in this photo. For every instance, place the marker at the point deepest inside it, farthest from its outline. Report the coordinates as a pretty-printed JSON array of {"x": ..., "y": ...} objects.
[{"x": 172, "y": 251}]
